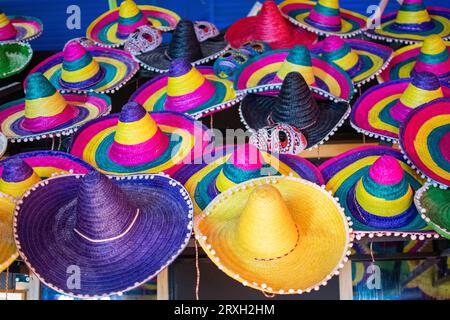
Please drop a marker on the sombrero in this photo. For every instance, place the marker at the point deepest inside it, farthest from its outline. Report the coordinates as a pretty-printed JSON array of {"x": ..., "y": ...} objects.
[
  {"x": 362, "y": 60},
  {"x": 316, "y": 119},
  {"x": 324, "y": 17},
  {"x": 269, "y": 26},
  {"x": 8, "y": 250},
  {"x": 114, "y": 27},
  {"x": 117, "y": 233},
  {"x": 81, "y": 69},
  {"x": 19, "y": 28},
  {"x": 432, "y": 55},
  {"x": 376, "y": 188},
  {"x": 183, "y": 45},
  {"x": 135, "y": 141},
  {"x": 3, "y": 144},
  {"x": 412, "y": 23},
  {"x": 268, "y": 70},
  {"x": 45, "y": 112},
  {"x": 425, "y": 140},
  {"x": 187, "y": 89},
  {"x": 222, "y": 168},
  {"x": 281, "y": 235},
  {"x": 14, "y": 57},
  {"x": 380, "y": 111}
]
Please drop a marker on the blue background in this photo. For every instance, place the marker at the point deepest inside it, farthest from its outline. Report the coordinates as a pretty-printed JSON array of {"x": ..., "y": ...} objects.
[{"x": 221, "y": 12}]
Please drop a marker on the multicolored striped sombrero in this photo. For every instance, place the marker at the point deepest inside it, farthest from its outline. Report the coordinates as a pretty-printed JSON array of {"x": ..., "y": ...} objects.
[
  {"x": 376, "y": 187},
  {"x": 45, "y": 112},
  {"x": 324, "y": 17},
  {"x": 19, "y": 28},
  {"x": 432, "y": 55},
  {"x": 135, "y": 141},
  {"x": 362, "y": 60},
  {"x": 222, "y": 168},
  {"x": 80, "y": 69},
  {"x": 8, "y": 250},
  {"x": 113, "y": 27},
  {"x": 187, "y": 89},
  {"x": 381, "y": 110},
  {"x": 412, "y": 23},
  {"x": 425, "y": 140},
  {"x": 268, "y": 70},
  {"x": 14, "y": 57}
]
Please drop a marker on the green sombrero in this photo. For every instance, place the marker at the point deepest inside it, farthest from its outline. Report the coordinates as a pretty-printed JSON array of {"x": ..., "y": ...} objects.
[{"x": 14, "y": 57}]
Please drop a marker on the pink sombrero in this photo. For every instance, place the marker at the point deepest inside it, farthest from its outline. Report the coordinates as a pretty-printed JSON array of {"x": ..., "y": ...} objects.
[{"x": 19, "y": 28}]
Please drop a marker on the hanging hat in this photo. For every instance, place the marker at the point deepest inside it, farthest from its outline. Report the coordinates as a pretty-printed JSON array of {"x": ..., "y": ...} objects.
[
  {"x": 381, "y": 110},
  {"x": 224, "y": 167},
  {"x": 3, "y": 144},
  {"x": 83, "y": 69},
  {"x": 281, "y": 235},
  {"x": 316, "y": 119},
  {"x": 14, "y": 57},
  {"x": 119, "y": 233},
  {"x": 187, "y": 89},
  {"x": 269, "y": 26},
  {"x": 8, "y": 250},
  {"x": 114, "y": 27},
  {"x": 135, "y": 141},
  {"x": 267, "y": 72},
  {"x": 19, "y": 28},
  {"x": 376, "y": 188},
  {"x": 425, "y": 140},
  {"x": 324, "y": 17},
  {"x": 183, "y": 45},
  {"x": 412, "y": 23},
  {"x": 362, "y": 60},
  {"x": 434, "y": 205},
  {"x": 432, "y": 55},
  {"x": 45, "y": 112}
]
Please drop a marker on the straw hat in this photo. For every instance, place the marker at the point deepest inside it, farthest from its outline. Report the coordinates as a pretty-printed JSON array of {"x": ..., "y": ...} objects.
[
  {"x": 269, "y": 26},
  {"x": 45, "y": 112},
  {"x": 425, "y": 140},
  {"x": 80, "y": 69},
  {"x": 432, "y": 55},
  {"x": 381, "y": 110},
  {"x": 267, "y": 72},
  {"x": 376, "y": 188},
  {"x": 412, "y": 23},
  {"x": 8, "y": 251},
  {"x": 113, "y": 27},
  {"x": 19, "y": 28},
  {"x": 317, "y": 120},
  {"x": 119, "y": 236},
  {"x": 3, "y": 144},
  {"x": 222, "y": 168},
  {"x": 324, "y": 17},
  {"x": 187, "y": 89},
  {"x": 14, "y": 57},
  {"x": 280, "y": 235},
  {"x": 184, "y": 44},
  {"x": 135, "y": 141}
]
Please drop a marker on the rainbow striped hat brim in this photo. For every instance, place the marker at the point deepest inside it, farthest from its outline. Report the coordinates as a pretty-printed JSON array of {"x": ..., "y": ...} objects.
[{"x": 28, "y": 28}]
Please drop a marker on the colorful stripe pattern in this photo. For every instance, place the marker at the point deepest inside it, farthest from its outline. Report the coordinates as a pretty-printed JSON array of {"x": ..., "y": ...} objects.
[
  {"x": 19, "y": 28},
  {"x": 14, "y": 57}
]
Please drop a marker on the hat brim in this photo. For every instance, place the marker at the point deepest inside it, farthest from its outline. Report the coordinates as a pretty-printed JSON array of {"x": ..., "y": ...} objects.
[
  {"x": 317, "y": 216},
  {"x": 44, "y": 232},
  {"x": 424, "y": 137},
  {"x": 371, "y": 112},
  {"x": 255, "y": 110},
  {"x": 200, "y": 179},
  {"x": 352, "y": 23},
  {"x": 3, "y": 144},
  {"x": 119, "y": 67},
  {"x": 84, "y": 107},
  {"x": 187, "y": 138},
  {"x": 103, "y": 29},
  {"x": 439, "y": 15},
  {"x": 343, "y": 172},
  {"x": 8, "y": 250},
  {"x": 28, "y": 28},
  {"x": 258, "y": 75},
  {"x": 19, "y": 56}
]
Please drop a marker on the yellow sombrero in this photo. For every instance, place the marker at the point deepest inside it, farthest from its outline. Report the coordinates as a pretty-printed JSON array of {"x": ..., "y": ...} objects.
[{"x": 8, "y": 251}]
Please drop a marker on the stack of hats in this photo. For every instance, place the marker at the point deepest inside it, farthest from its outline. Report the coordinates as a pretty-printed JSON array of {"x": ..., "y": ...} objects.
[{"x": 19, "y": 28}]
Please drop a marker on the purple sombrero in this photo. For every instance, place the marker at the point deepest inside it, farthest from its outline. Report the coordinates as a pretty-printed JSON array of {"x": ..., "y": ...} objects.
[
  {"x": 222, "y": 168},
  {"x": 118, "y": 233},
  {"x": 114, "y": 27},
  {"x": 80, "y": 69},
  {"x": 19, "y": 28},
  {"x": 381, "y": 110},
  {"x": 45, "y": 112},
  {"x": 266, "y": 72},
  {"x": 196, "y": 91}
]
